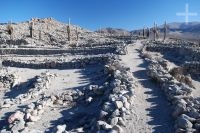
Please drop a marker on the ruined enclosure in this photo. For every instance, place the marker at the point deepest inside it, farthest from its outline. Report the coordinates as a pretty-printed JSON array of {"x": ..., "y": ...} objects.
[
  {"x": 57, "y": 77},
  {"x": 51, "y": 83}
]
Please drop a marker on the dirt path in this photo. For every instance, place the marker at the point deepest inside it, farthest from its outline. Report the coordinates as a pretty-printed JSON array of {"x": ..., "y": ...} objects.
[{"x": 151, "y": 111}]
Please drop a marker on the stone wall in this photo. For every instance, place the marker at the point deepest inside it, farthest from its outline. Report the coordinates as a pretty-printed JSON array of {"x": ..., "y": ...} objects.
[
  {"x": 184, "y": 52},
  {"x": 185, "y": 106},
  {"x": 78, "y": 63},
  {"x": 32, "y": 51},
  {"x": 114, "y": 98},
  {"x": 192, "y": 67}
]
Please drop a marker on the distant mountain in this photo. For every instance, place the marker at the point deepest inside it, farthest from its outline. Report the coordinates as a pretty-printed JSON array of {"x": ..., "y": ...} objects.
[
  {"x": 185, "y": 31},
  {"x": 114, "y": 31},
  {"x": 179, "y": 30},
  {"x": 193, "y": 27}
]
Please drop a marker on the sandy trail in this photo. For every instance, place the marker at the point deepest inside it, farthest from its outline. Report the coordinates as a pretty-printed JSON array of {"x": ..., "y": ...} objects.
[{"x": 151, "y": 110}]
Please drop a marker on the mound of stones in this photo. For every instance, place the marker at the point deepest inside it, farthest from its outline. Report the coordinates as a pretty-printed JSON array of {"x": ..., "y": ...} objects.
[{"x": 185, "y": 106}]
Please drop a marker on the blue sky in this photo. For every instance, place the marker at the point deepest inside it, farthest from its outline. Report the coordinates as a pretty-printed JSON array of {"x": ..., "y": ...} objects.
[{"x": 93, "y": 14}]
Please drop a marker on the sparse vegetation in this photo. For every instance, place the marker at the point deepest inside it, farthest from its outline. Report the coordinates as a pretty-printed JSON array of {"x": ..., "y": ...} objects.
[
  {"x": 40, "y": 35},
  {"x": 165, "y": 31},
  {"x": 10, "y": 30},
  {"x": 31, "y": 28},
  {"x": 69, "y": 31},
  {"x": 77, "y": 34}
]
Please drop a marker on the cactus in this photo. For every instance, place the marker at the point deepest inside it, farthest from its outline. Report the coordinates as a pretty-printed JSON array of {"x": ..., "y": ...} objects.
[
  {"x": 165, "y": 31},
  {"x": 31, "y": 29},
  {"x": 77, "y": 34},
  {"x": 148, "y": 32},
  {"x": 68, "y": 31},
  {"x": 10, "y": 30},
  {"x": 154, "y": 31},
  {"x": 157, "y": 33},
  {"x": 143, "y": 32},
  {"x": 40, "y": 35}
]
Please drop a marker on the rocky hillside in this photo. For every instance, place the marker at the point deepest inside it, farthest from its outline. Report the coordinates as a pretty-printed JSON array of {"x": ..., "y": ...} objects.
[{"x": 46, "y": 32}]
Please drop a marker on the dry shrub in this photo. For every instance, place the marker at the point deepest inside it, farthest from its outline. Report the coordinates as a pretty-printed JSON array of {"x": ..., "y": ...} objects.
[
  {"x": 147, "y": 55},
  {"x": 178, "y": 74},
  {"x": 10, "y": 29},
  {"x": 73, "y": 45}
]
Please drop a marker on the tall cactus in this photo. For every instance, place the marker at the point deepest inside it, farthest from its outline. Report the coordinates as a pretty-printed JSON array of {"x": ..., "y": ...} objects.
[
  {"x": 165, "y": 31},
  {"x": 77, "y": 34},
  {"x": 154, "y": 32},
  {"x": 40, "y": 35},
  {"x": 68, "y": 31},
  {"x": 148, "y": 32},
  {"x": 143, "y": 32},
  {"x": 31, "y": 29},
  {"x": 157, "y": 33},
  {"x": 10, "y": 30}
]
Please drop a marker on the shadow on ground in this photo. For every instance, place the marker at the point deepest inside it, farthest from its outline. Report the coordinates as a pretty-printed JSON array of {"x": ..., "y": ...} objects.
[
  {"x": 20, "y": 89},
  {"x": 82, "y": 114},
  {"x": 160, "y": 112}
]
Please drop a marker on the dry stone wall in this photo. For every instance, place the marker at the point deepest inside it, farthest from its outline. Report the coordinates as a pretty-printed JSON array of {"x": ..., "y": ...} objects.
[
  {"x": 185, "y": 106},
  {"x": 74, "y": 64},
  {"x": 83, "y": 51}
]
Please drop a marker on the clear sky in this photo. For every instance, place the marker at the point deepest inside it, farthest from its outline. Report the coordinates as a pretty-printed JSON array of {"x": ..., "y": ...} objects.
[{"x": 93, "y": 14}]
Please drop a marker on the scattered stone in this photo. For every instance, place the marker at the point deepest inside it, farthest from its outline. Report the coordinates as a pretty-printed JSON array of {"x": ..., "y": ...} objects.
[
  {"x": 114, "y": 121},
  {"x": 121, "y": 122},
  {"x": 118, "y": 104},
  {"x": 103, "y": 125},
  {"x": 89, "y": 100},
  {"x": 19, "y": 125},
  {"x": 117, "y": 128},
  {"x": 16, "y": 116},
  {"x": 60, "y": 128},
  {"x": 34, "y": 118},
  {"x": 103, "y": 114}
]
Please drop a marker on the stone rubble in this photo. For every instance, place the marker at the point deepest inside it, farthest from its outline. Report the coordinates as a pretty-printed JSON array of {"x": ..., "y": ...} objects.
[
  {"x": 40, "y": 85},
  {"x": 113, "y": 96}
]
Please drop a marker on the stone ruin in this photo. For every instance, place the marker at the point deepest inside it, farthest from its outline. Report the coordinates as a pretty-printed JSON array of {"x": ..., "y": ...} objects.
[{"x": 109, "y": 101}]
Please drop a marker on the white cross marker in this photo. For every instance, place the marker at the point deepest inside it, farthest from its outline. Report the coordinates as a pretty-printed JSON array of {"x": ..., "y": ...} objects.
[{"x": 186, "y": 14}]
